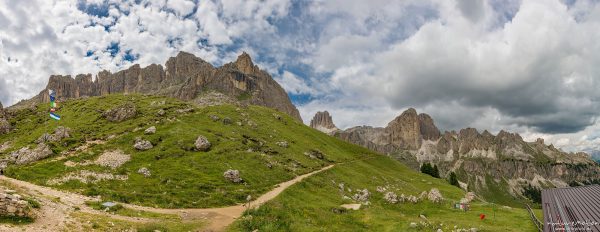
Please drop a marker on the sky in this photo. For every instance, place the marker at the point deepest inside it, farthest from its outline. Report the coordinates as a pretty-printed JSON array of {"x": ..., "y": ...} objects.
[{"x": 529, "y": 66}]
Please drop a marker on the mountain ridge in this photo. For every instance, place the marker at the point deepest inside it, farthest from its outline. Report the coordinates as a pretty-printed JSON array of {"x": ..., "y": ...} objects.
[
  {"x": 185, "y": 77},
  {"x": 475, "y": 156}
]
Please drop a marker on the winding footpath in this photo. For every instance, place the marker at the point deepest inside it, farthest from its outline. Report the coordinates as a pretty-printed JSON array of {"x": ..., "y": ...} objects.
[{"x": 57, "y": 206}]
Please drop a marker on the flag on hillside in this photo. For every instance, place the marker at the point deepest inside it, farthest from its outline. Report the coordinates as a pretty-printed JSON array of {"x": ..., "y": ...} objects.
[
  {"x": 52, "y": 95},
  {"x": 54, "y": 116}
]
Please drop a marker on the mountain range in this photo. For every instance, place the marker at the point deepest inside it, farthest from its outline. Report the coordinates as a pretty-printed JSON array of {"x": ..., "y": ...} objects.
[
  {"x": 481, "y": 160},
  {"x": 185, "y": 77}
]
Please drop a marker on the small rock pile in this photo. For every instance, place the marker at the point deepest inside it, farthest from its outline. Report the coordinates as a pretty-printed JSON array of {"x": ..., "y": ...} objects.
[
  {"x": 283, "y": 144},
  {"x": 150, "y": 130},
  {"x": 362, "y": 195},
  {"x": 112, "y": 159},
  {"x": 391, "y": 197},
  {"x": 435, "y": 196},
  {"x": 314, "y": 154},
  {"x": 11, "y": 204},
  {"x": 468, "y": 198}
]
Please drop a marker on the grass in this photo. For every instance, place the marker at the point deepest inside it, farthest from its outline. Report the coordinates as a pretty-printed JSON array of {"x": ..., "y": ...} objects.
[
  {"x": 95, "y": 222},
  {"x": 124, "y": 211},
  {"x": 14, "y": 220},
  {"x": 309, "y": 205},
  {"x": 177, "y": 170}
]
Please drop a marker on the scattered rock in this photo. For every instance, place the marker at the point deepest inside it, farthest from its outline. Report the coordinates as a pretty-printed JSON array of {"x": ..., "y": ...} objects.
[
  {"x": 314, "y": 154},
  {"x": 161, "y": 112},
  {"x": 26, "y": 155},
  {"x": 85, "y": 176},
  {"x": 283, "y": 144},
  {"x": 391, "y": 197},
  {"x": 186, "y": 110},
  {"x": 435, "y": 196},
  {"x": 277, "y": 116},
  {"x": 112, "y": 159},
  {"x": 142, "y": 145},
  {"x": 214, "y": 117},
  {"x": 362, "y": 195},
  {"x": 351, "y": 206},
  {"x": 144, "y": 171},
  {"x": 423, "y": 217},
  {"x": 474, "y": 229},
  {"x": 202, "y": 143},
  {"x": 340, "y": 210},
  {"x": 150, "y": 130},
  {"x": 380, "y": 189},
  {"x": 470, "y": 196},
  {"x": 227, "y": 121},
  {"x": 413, "y": 225},
  {"x": 252, "y": 124},
  {"x": 233, "y": 176},
  {"x": 121, "y": 113}
]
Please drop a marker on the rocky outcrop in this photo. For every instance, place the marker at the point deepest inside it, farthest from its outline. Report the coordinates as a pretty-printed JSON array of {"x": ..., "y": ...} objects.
[
  {"x": 322, "y": 121},
  {"x": 59, "y": 134},
  {"x": 12, "y": 204},
  {"x": 27, "y": 155},
  {"x": 185, "y": 76},
  {"x": 120, "y": 113}
]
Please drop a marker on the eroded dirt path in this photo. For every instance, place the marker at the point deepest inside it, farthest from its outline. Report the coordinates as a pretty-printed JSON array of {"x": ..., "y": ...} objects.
[{"x": 58, "y": 205}]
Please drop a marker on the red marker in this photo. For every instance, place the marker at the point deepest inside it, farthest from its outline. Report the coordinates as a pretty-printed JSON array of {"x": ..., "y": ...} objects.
[{"x": 482, "y": 216}]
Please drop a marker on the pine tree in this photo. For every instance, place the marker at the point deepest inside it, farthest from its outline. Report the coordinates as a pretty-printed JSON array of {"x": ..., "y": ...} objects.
[
  {"x": 453, "y": 180},
  {"x": 435, "y": 172}
]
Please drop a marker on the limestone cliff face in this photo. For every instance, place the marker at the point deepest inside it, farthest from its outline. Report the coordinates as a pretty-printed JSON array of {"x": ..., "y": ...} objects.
[
  {"x": 474, "y": 155},
  {"x": 322, "y": 121},
  {"x": 185, "y": 76}
]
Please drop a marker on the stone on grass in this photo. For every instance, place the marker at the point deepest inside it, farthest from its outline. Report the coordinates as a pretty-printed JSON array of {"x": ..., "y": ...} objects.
[
  {"x": 202, "y": 143},
  {"x": 362, "y": 195},
  {"x": 391, "y": 197},
  {"x": 150, "y": 130},
  {"x": 142, "y": 145},
  {"x": 435, "y": 196},
  {"x": 144, "y": 171},
  {"x": 351, "y": 206},
  {"x": 121, "y": 113},
  {"x": 283, "y": 144},
  {"x": 233, "y": 176}
]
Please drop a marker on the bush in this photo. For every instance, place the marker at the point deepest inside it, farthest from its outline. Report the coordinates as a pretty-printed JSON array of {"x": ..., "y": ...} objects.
[
  {"x": 453, "y": 180},
  {"x": 533, "y": 193}
]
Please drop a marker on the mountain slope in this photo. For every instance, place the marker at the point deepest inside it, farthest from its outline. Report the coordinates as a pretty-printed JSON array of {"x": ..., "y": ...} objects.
[{"x": 185, "y": 77}]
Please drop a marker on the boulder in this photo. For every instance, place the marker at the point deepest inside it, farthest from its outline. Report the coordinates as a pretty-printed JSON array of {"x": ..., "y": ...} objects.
[
  {"x": 435, "y": 196},
  {"x": 144, "y": 171},
  {"x": 391, "y": 197},
  {"x": 233, "y": 176},
  {"x": 202, "y": 143},
  {"x": 142, "y": 145},
  {"x": 150, "y": 130},
  {"x": 121, "y": 113},
  {"x": 161, "y": 112},
  {"x": 26, "y": 155}
]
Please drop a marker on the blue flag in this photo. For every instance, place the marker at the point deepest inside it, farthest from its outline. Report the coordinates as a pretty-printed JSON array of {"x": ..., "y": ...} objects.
[{"x": 54, "y": 116}]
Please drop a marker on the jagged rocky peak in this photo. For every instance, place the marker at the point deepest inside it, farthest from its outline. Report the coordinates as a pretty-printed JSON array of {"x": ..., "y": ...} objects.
[
  {"x": 184, "y": 76},
  {"x": 244, "y": 64},
  {"x": 322, "y": 121},
  {"x": 428, "y": 128},
  {"x": 410, "y": 129}
]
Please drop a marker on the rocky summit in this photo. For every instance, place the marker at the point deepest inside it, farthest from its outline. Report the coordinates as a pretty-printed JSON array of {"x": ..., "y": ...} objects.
[
  {"x": 478, "y": 158},
  {"x": 185, "y": 77},
  {"x": 322, "y": 121}
]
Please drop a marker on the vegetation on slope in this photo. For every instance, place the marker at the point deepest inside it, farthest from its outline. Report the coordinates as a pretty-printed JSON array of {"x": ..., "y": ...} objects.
[
  {"x": 180, "y": 177},
  {"x": 311, "y": 205}
]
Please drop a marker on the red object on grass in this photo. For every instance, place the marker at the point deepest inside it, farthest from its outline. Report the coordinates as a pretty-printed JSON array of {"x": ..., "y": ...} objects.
[
  {"x": 481, "y": 216},
  {"x": 52, "y": 110}
]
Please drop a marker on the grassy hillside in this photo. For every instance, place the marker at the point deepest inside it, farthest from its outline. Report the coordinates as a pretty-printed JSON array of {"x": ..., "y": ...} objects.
[
  {"x": 246, "y": 139},
  {"x": 310, "y": 205},
  {"x": 180, "y": 176}
]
